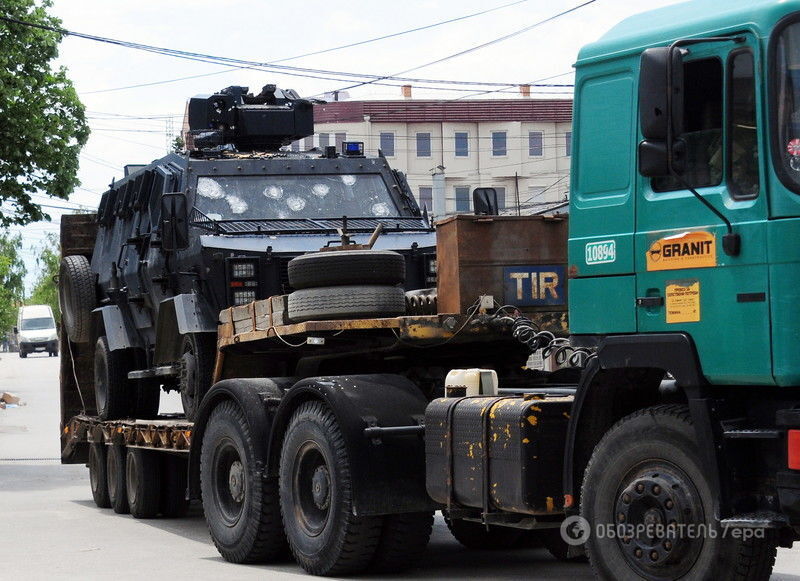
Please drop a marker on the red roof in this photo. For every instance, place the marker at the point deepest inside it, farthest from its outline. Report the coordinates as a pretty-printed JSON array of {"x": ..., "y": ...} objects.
[{"x": 421, "y": 111}]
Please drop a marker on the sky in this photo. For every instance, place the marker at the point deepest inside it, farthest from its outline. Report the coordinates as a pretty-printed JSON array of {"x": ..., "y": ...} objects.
[{"x": 135, "y": 124}]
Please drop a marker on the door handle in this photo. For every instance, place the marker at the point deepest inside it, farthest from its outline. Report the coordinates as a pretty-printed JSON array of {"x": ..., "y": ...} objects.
[{"x": 649, "y": 301}]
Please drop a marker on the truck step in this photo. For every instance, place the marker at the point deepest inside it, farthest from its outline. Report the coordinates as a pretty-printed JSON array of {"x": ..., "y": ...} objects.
[
  {"x": 161, "y": 371},
  {"x": 756, "y": 520},
  {"x": 752, "y": 434}
]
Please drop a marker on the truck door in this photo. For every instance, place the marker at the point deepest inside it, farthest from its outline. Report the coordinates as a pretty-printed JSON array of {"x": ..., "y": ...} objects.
[{"x": 685, "y": 281}]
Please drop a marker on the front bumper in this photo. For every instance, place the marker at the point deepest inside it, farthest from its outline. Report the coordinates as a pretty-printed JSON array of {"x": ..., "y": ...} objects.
[{"x": 34, "y": 346}]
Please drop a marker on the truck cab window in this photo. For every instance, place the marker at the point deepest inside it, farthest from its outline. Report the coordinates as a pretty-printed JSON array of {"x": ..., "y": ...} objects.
[
  {"x": 702, "y": 127},
  {"x": 787, "y": 70},
  {"x": 743, "y": 141}
]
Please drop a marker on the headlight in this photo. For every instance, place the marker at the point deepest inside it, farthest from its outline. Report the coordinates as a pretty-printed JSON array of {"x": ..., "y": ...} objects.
[
  {"x": 243, "y": 270},
  {"x": 242, "y": 297}
]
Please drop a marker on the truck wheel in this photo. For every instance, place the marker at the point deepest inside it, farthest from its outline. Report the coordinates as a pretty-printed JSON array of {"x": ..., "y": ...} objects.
[
  {"x": 475, "y": 535},
  {"x": 22, "y": 353},
  {"x": 97, "y": 475},
  {"x": 241, "y": 507},
  {"x": 316, "y": 497},
  {"x": 403, "y": 541},
  {"x": 347, "y": 267},
  {"x": 143, "y": 482},
  {"x": 111, "y": 381},
  {"x": 173, "y": 486},
  {"x": 647, "y": 473},
  {"x": 342, "y": 302},
  {"x": 115, "y": 472},
  {"x": 76, "y": 294},
  {"x": 197, "y": 368}
]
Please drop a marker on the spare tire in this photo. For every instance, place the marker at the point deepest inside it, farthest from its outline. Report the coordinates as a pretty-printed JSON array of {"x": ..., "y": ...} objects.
[
  {"x": 343, "y": 267},
  {"x": 346, "y": 302},
  {"x": 76, "y": 294}
]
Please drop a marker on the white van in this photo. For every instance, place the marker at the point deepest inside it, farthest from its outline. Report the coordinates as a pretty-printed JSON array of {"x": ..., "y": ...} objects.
[{"x": 36, "y": 330}]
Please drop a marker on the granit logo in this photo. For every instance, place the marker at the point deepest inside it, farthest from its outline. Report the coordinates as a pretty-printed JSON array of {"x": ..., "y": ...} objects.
[{"x": 686, "y": 250}]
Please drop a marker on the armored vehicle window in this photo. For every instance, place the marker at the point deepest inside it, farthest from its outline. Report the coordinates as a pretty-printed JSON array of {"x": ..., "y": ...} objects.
[
  {"x": 295, "y": 196},
  {"x": 743, "y": 139},
  {"x": 786, "y": 63},
  {"x": 702, "y": 129}
]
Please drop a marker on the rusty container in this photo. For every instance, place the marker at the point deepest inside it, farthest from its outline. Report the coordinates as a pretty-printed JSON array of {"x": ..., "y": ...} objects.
[{"x": 518, "y": 260}]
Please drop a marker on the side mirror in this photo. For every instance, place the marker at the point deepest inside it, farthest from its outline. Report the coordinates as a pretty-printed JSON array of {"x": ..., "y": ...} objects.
[
  {"x": 484, "y": 201},
  {"x": 174, "y": 222},
  {"x": 16, "y": 331}
]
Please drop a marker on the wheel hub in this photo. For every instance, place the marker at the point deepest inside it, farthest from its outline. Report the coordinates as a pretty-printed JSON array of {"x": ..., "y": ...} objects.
[
  {"x": 657, "y": 515},
  {"x": 236, "y": 481},
  {"x": 320, "y": 487}
]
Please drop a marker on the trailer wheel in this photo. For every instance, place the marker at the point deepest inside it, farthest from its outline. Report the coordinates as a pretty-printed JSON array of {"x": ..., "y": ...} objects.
[
  {"x": 475, "y": 535},
  {"x": 197, "y": 368},
  {"x": 76, "y": 294},
  {"x": 174, "y": 503},
  {"x": 341, "y": 302},
  {"x": 111, "y": 381},
  {"x": 347, "y": 267},
  {"x": 403, "y": 541},
  {"x": 115, "y": 472},
  {"x": 241, "y": 507},
  {"x": 316, "y": 497},
  {"x": 98, "y": 479},
  {"x": 647, "y": 473},
  {"x": 143, "y": 482}
]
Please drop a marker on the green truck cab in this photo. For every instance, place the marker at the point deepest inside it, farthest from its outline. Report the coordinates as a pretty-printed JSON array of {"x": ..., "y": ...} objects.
[{"x": 684, "y": 264}]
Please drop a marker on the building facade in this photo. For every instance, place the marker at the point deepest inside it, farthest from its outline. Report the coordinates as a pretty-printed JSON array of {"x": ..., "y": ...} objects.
[{"x": 520, "y": 147}]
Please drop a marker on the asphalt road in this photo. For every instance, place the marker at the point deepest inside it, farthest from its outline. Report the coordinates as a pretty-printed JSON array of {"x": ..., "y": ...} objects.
[{"x": 50, "y": 528}]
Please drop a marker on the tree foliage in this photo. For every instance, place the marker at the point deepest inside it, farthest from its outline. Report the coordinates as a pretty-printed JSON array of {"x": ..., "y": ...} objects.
[
  {"x": 12, "y": 280},
  {"x": 45, "y": 290},
  {"x": 42, "y": 121}
]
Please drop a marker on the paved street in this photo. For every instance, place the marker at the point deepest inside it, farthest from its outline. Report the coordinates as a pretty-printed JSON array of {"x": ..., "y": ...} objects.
[{"x": 50, "y": 528}]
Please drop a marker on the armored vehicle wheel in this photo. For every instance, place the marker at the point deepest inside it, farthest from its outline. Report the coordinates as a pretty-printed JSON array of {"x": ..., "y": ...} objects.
[
  {"x": 347, "y": 267},
  {"x": 111, "y": 386},
  {"x": 316, "y": 497},
  {"x": 241, "y": 507},
  {"x": 173, "y": 486},
  {"x": 343, "y": 302},
  {"x": 645, "y": 472},
  {"x": 115, "y": 474},
  {"x": 403, "y": 541},
  {"x": 143, "y": 482},
  {"x": 98, "y": 479},
  {"x": 474, "y": 535},
  {"x": 76, "y": 293},
  {"x": 197, "y": 369}
]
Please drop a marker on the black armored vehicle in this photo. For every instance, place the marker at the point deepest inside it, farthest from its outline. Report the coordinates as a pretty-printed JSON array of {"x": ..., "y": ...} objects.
[{"x": 191, "y": 234}]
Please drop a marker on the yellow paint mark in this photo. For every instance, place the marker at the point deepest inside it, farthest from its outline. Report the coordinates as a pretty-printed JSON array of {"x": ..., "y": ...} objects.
[
  {"x": 507, "y": 431},
  {"x": 533, "y": 420},
  {"x": 495, "y": 436},
  {"x": 551, "y": 505},
  {"x": 566, "y": 415},
  {"x": 536, "y": 408},
  {"x": 526, "y": 441}
]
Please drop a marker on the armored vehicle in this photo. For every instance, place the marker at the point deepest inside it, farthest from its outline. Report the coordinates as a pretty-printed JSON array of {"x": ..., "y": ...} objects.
[{"x": 190, "y": 234}]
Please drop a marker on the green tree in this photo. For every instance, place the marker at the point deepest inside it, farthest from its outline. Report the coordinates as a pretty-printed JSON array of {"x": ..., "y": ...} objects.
[
  {"x": 178, "y": 145},
  {"x": 42, "y": 121},
  {"x": 45, "y": 290},
  {"x": 12, "y": 280}
]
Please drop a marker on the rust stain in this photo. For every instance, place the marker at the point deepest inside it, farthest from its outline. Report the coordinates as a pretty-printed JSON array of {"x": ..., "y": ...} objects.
[
  {"x": 551, "y": 505},
  {"x": 536, "y": 408},
  {"x": 526, "y": 441},
  {"x": 533, "y": 420}
]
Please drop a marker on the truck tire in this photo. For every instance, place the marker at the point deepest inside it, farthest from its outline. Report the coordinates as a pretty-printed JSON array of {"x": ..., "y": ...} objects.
[
  {"x": 115, "y": 472},
  {"x": 97, "y": 475},
  {"x": 347, "y": 267},
  {"x": 111, "y": 386},
  {"x": 316, "y": 497},
  {"x": 143, "y": 482},
  {"x": 76, "y": 294},
  {"x": 346, "y": 302},
  {"x": 197, "y": 369},
  {"x": 403, "y": 541},
  {"x": 241, "y": 507},
  {"x": 647, "y": 469},
  {"x": 22, "y": 353},
  {"x": 475, "y": 535},
  {"x": 174, "y": 472}
]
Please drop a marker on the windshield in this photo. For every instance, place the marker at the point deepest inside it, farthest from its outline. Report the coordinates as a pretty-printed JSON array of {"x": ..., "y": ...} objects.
[
  {"x": 295, "y": 196},
  {"x": 787, "y": 67},
  {"x": 38, "y": 324}
]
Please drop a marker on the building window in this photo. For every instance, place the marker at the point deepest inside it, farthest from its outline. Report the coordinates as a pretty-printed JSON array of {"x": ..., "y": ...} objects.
[
  {"x": 340, "y": 139},
  {"x": 324, "y": 140},
  {"x": 308, "y": 143},
  {"x": 462, "y": 198},
  {"x": 501, "y": 198},
  {"x": 295, "y": 146},
  {"x": 535, "y": 145},
  {"x": 498, "y": 143},
  {"x": 426, "y": 197},
  {"x": 568, "y": 138},
  {"x": 387, "y": 144},
  {"x": 462, "y": 143},
  {"x": 423, "y": 144}
]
